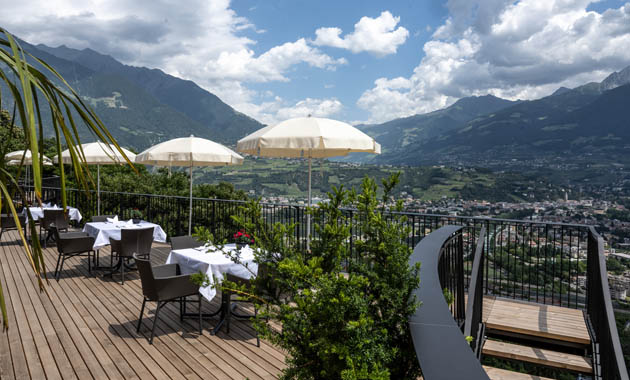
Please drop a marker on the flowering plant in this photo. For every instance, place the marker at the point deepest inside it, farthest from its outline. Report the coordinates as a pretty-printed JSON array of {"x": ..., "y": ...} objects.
[
  {"x": 136, "y": 214},
  {"x": 242, "y": 237}
]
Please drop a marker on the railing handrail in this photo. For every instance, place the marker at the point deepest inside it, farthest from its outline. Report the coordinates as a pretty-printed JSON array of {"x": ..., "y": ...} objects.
[
  {"x": 437, "y": 339},
  {"x": 474, "y": 311},
  {"x": 409, "y": 213},
  {"x": 609, "y": 320}
]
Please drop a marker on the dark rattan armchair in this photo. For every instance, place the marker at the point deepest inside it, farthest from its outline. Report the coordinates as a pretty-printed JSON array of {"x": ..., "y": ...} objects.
[
  {"x": 183, "y": 242},
  {"x": 101, "y": 218},
  {"x": 69, "y": 245},
  {"x": 56, "y": 218},
  {"x": 132, "y": 241},
  {"x": 163, "y": 284},
  {"x": 7, "y": 222}
]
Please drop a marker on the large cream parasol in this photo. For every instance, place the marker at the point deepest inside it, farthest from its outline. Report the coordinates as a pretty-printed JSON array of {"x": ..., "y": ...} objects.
[
  {"x": 189, "y": 151},
  {"x": 98, "y": 153},
  {"x": 308, "y": 137}
]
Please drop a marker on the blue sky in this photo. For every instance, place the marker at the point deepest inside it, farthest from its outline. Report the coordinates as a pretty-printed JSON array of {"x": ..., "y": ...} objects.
[{"x": 357, "y": 61}]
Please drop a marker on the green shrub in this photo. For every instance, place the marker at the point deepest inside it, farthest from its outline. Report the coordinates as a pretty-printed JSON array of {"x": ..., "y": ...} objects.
[{"x": 342, "y": 317}]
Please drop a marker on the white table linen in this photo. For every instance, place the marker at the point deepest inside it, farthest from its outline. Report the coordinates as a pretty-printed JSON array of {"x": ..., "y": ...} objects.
[
  {"x": 102, "y": 231},
  {"x": 214, "y": 264},
  {"x": 38, "y": 212}
]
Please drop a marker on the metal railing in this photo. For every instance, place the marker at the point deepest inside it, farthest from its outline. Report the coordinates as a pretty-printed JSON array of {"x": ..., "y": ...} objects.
[
  {"x": 440, "y": 346},
  {"x": 528, "y": 260},
  {"x": 474, "y": 326},
  {"x": 608, "y": 362},
  {"x": 549, "y": 263}
]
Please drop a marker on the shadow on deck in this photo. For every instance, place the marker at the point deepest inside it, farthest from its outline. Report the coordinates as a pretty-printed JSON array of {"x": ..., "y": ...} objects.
[{"x": 84, "y": 327}]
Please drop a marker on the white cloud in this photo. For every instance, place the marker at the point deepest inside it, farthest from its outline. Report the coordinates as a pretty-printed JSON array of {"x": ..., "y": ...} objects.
[
  {"x": 277, "y": 109},
  {"x": 378, "y": 36},
  {"x": 524, "y": 49},
  {"x": 269, "y": 66},
  {"x": 202, "y": 41}
]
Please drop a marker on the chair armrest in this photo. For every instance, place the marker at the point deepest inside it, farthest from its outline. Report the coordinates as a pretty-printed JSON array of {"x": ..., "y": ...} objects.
[
  {"x": 66, "y": 235},
  {"x": 166, "y": 270},
  {"x": 175, "y": 287},
  {"x": 76, "y": 244}
]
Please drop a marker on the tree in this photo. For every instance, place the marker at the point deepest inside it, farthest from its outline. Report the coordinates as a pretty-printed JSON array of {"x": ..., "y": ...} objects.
[
  {"x": 34, "y": 84},
  {"x": 343, "y": 315}
]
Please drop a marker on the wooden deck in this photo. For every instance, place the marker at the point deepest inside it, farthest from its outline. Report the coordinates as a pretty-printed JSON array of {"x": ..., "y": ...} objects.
[
  {"x": 84, "y": 327},
  {"x": 552, "y": 323}
]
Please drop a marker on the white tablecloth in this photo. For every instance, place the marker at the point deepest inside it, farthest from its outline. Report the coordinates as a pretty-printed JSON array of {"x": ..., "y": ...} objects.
[
  {"x": 214, "y": 264},
  {"x": 102, "y": 231},
  {"x": 38, "y": 212}
]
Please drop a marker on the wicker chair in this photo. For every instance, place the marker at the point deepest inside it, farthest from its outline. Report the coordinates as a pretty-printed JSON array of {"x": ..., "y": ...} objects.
[
  {"x": 69, "y": 245},
  {"x": 101, "y": 218},
  {"x": 183, "y": 242},
  {"x": 53, "y": 217},
  {"x": 132, "y": 242},
  {"x": 7, "y": 222},
  {"x": 163, "y": 284}
]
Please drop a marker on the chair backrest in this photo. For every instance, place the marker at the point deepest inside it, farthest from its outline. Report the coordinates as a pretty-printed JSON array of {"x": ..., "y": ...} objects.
[
  {"x": 58, "y": 217},
  {"x": 183, "y": 242},
  {"x": 136, "y": 240},
  {"x": 101, "y": 218},
  {"x": 7, "y": 221},
  {"x": 147, "y": 279}
]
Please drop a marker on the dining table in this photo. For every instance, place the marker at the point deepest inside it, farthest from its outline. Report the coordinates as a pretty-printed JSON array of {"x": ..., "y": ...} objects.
[
  {"x": 215, "y": 262},
  {"x": 102, "y": 231},
  {"x": 38, "y": 212}
]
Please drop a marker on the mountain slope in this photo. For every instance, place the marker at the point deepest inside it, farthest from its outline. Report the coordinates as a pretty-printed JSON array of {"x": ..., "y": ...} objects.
[
  {"x": 225, "y": 123},
  {"x": 399, "y": 133},
  {"x": 590, "y": 119}
]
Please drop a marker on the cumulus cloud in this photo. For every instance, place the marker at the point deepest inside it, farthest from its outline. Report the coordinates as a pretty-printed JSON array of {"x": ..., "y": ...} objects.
[
  {"x": 271, "y": 65},
  {"x": 203, "y": 41},
  {"x": 277, "y": 109},
  {"x": 523, "y": 49},
  {"x": 378, "y": 36}
]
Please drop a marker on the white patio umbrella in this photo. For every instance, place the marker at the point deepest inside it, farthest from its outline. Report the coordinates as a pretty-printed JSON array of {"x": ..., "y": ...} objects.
[
  {"x": 98, "y": 153},
  {"x": 15, "y": 158},
  {"x": 308, "y": 137},
  {"x": 189, "y": 151}
]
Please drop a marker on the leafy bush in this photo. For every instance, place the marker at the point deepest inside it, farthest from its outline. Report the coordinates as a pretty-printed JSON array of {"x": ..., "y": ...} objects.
[{"x": 342, "y": 317}]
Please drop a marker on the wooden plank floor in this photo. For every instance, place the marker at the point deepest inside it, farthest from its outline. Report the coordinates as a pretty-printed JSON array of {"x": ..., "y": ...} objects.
[
  {"x": 84, "y": 326},
  {"x": 545, "y": 321}
]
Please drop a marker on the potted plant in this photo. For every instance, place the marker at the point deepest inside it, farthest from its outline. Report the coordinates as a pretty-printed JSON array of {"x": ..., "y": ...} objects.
[
  {"x": 136, "y": 216},
  {"x": 242, "y": 238}
]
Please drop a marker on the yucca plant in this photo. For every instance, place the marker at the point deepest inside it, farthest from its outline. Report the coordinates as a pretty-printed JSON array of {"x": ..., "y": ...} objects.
[{"x": 33, "y": 84}]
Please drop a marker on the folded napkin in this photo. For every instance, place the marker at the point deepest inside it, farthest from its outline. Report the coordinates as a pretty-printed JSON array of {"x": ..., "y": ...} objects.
[
  {"x": 46, "y": 205},
  {"x": 129, "y": 223},
  {"x": 113, "y": 220}
]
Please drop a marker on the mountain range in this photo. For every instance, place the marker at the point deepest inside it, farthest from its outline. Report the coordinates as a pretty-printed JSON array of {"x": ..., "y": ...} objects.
[
  {"x": 142, "y": 106},
  {"x": 589, "y": 120}
]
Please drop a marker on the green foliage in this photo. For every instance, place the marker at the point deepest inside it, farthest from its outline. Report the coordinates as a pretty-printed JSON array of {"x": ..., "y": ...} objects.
[
  {"x": 621, "y": 215},
  {"x": 615, "y": 265},
  {"x": 448, "y": 296},
  {"x": 11, "y": 135},
  {"x": 342, "y": 317},
  {"x": 200, "y": 279}
]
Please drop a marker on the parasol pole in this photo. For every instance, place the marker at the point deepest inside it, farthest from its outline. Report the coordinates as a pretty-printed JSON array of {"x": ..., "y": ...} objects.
[
  {"x": 310, "y": 200},
  {"x": 190, "y": 206},
  {"x": 98, "y": 189}
]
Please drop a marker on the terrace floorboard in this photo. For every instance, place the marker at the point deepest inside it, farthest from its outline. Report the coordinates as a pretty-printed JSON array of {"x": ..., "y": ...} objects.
[{"x": 84, "y": 326}]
